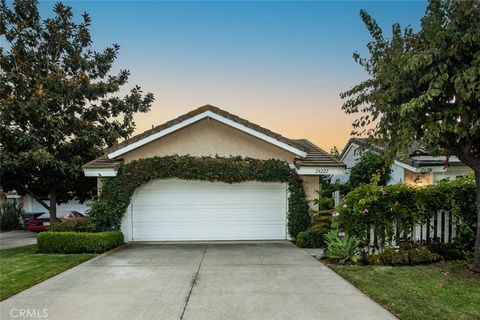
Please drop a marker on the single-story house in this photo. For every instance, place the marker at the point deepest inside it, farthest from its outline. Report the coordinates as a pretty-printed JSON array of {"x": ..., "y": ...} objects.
[
  {"x": 421, "y": 168},
  {"x": 181, "y": 210},
  {"x": 29, "y": 204}
]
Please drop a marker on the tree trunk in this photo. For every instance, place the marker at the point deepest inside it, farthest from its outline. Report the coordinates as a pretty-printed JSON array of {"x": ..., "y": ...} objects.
[
  {"x": 53, "y": 206},
  {"x": 476, "y": 259}
]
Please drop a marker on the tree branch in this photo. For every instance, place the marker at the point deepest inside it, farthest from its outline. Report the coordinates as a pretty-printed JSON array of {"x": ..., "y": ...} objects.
[{"x": 30, "y": 193}]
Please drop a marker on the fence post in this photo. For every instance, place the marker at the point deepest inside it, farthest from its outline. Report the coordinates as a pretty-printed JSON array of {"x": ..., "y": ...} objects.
[
  {"x": 336, "y": 197},
  {"x": 439, "y": 225},
  {"x": 454, "y": 229},
  {"x": 447, "y": 225},
  {"x": 432, "y": 228}
]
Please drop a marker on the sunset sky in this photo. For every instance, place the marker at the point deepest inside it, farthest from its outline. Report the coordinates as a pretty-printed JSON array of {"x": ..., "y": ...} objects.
[{"x": 281, "y": 65}]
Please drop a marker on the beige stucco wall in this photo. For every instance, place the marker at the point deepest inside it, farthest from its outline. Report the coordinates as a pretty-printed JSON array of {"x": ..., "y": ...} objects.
[
  {"x": 100, "y": 183},
  {"x": 209, "y": 137},
  {"x": 311, "y": 184}
]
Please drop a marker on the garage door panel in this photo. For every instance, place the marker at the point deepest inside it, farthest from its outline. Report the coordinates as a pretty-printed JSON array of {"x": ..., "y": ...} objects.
[
  {"x": 171, "y": 233},
  {"x": 179, "y": 210}
]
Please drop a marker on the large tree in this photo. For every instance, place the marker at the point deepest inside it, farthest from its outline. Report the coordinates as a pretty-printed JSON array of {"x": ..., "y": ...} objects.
[
  {"x": 59, "y": 107},
  {"x": 424, "y": 86}
]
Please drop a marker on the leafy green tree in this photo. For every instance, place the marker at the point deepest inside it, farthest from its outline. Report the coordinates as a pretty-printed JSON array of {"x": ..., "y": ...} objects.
[
  {"x": 370, "y": 165},
  {"x": 58, "y": 103},
  {"x": 334, "y": 152},
  {"x": 424, "y": 85}
]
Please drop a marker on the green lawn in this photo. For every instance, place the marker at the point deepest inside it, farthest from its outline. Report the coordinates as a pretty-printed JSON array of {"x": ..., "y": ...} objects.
[
  {"x": 22, "y": 267},
  {"x": 440, "y": 291}
]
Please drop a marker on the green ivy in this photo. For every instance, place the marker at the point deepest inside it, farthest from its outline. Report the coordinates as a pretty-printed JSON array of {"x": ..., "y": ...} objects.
[
  {"x": 108, "y": 210},
  {"x": 403, "y": 206}
]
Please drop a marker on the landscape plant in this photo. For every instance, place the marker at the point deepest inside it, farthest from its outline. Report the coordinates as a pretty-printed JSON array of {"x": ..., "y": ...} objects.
[
  {"x": 78, "y": 242},
  {"x": 9, "y": 216},
  {"x": 60, "y": 102},
  {"x": 394, "y": 210},
  {"x": 342, "y": 247},
  {"x": 423, "y": 86},
  {"x": 369, "y": 165}
]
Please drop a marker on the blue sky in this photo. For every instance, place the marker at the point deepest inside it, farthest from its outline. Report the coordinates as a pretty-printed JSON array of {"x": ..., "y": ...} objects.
[{"x": 279, "y": 64}]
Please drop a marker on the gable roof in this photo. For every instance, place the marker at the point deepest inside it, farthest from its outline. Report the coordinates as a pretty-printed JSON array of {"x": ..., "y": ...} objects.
[
  {"x": 307, "y": 153},
  {"x": 207, "y": 111},
  {"x": 316, "y": 156},
  {"x": 360, "y": 142}
]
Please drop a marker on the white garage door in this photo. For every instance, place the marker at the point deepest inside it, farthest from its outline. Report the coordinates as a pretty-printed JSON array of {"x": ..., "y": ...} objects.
[{"x": 181, "y": 210}]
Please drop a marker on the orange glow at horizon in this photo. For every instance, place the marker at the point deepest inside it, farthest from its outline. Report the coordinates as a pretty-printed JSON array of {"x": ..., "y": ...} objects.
[{"x": 324, "y": 124}]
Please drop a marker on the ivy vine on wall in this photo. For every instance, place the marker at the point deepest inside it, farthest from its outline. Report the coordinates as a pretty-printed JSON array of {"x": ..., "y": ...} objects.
[{"x": 107, "y": 211}]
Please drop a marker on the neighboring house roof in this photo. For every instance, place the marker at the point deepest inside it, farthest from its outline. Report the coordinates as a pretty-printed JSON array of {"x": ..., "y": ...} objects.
[
  {"x": 316, "y": 156},
  {"x": 430, "y": 163},
  {"x": 307, "y": 153},
  {"x": 415, "y": 150},
  {"x": 360, "y": 142}
]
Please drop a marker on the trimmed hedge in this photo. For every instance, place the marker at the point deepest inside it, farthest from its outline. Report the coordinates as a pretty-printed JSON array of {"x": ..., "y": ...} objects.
[
  {"x": 73, "y": 225},
  {"x": 311, "y": 238},
  {"x": 404, "y": 257},
  {"x": 78, "y": 242},
  {"x": 108, "y": 210}
]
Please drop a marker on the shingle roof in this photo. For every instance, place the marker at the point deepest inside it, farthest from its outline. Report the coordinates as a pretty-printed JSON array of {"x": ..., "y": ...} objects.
[
  {"x": 316, "y": 156},
  {"x": 103, "y": 163}
]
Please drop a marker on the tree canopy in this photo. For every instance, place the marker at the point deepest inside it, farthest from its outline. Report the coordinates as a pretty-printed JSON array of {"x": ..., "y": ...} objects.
[
  {"x": 59, "y": 102},
  {"x": 370, "y": 164},
  {"x": 424, "y": 86}
]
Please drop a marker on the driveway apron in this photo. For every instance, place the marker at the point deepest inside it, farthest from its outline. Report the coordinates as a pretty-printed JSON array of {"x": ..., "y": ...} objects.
[{"x": 216, "y": 280}]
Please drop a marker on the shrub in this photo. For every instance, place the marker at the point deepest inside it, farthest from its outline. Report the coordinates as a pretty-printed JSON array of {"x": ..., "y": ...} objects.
[
  {"x": 403, "y": 257},
  {"x": 372, "y": 259},
  {"x": 311, "y": 238},
  {"x": 73, "y": 225},
  {"x": 78, "y": 242},
  {"x": 394, "y": 257},
  {"x": 450, "y": 251},
  {"x": 422, "y": 255},
  {"x": 9, "y": 216},
  {"x": 402, "y": 206},
  {"x": 344, "y": 249}
]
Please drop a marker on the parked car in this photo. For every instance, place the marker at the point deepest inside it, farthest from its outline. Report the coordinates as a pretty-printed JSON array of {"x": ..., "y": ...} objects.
[
  {"x": 42, "y": 222},
  {"x": 27, "y": 216}
]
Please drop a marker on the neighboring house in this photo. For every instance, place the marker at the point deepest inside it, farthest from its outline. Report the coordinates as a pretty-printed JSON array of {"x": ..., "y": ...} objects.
[
  {"x": 421, "y": 168},
  {"x": 174, "y": 209},
  {"x": 30, "y": 205}
]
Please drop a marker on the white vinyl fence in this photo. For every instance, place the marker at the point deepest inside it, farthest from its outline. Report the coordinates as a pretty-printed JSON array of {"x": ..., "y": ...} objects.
[{"x": 439, "y": 228}]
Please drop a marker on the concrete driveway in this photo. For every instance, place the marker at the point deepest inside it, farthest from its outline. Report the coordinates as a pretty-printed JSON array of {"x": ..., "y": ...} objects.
[
  {"x": 17, "y": 238},
  {"x": 249, "y": 280}
]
